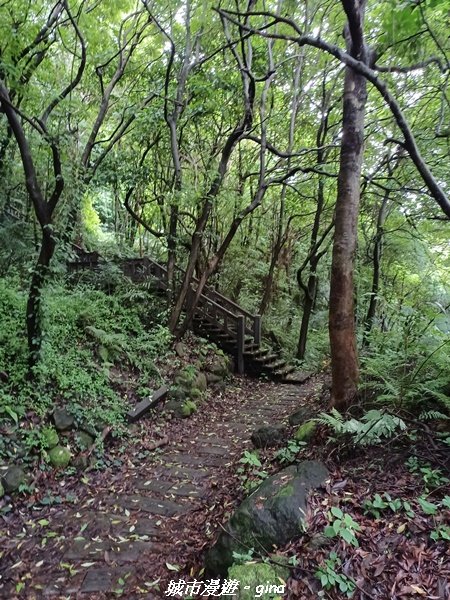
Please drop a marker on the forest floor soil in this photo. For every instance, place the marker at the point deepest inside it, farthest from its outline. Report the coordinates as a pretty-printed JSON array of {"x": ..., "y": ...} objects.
[{"x": 147, "y": 518}]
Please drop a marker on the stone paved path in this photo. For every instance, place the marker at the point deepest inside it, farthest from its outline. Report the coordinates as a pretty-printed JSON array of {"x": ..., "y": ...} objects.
[{"x": 156, "y": 509}]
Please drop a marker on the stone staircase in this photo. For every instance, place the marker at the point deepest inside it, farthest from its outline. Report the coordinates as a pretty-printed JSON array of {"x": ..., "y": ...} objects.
[{"x": 232, "y": 328}]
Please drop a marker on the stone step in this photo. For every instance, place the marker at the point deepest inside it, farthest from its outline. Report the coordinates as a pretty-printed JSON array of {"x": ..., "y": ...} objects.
[
  {"x": 82, "y": 549},
  {"x": 194, "y": 461},
  {"x": 154, "y": 506}
]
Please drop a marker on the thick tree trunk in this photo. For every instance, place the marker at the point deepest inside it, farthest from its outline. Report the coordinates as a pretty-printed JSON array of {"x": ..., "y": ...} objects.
[{"x": 344, "y": 358}]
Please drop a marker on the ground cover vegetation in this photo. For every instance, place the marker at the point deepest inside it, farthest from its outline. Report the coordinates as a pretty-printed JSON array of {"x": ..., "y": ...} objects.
[{"x": 291, "y": 156}]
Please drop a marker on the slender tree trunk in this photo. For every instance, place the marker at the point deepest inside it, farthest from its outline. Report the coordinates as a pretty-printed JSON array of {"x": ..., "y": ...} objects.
[
  {"x": 40, "y": 273},
  {"x": 310, "y": 289},
  {"x": 268, "y": 287},
  {"x": 215, "y": 261},
  {"x": 344, "y": 358},
  {"x": 377, "y": 254},
  {"x": 308, "y": 307}
]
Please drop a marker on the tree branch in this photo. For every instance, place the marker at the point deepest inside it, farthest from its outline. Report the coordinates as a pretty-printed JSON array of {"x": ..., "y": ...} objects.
[{"x": 360, "y": 67}]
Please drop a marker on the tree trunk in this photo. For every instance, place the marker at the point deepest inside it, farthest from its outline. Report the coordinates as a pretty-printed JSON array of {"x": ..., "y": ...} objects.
[
  {"x": 377, "y": 254},
  {"x": 34, "y": 332},
  {"x": 268, "y": 287},
  {"x": 308, "y": 306},
  {"x": 344, "y": 358},
  {"x": 310, "y": 290}
]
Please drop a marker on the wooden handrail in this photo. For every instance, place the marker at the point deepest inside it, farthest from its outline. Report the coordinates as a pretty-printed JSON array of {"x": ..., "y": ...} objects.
[
  {"x": 244, "y": 322},
  {"x": 218, "y": 307}
]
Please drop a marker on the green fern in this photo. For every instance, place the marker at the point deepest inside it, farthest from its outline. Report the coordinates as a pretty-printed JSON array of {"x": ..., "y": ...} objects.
[
  {"x": 431, "y": 415},
  {"x": 110, "y": 346},
  {"x": 333, "y": 419},
  {"x": 371, "y": 429}
]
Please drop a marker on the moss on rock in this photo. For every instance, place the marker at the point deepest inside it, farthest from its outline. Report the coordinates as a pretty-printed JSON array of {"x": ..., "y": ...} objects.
[
  {"x": 262, "y": 580},
  {"x": 200, "y": 382},
  {"x": 305, "y": 432},
  {"x": 271, "y": 516},
  {"x": 60, "y": 456}
]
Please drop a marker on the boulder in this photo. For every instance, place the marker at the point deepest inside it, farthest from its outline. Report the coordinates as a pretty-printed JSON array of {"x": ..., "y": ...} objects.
[
  {"x": 220, "y": 366},
  {"x": 175, "y": 407},
  {"x": 221, "y": 386},
  {"x": 305, "y": 432},
  {"x": 177, "y": 395},
  {"x": 259, "y": 580},
  {"x": 13, "y": 478},
  {"x": 88, "y": 428},
  {"x": 84, "y": 440},
  {"x": 268, "y": 436},
  {"x": 81, "y": 462},
  {"x": 212, "y": 378},
  {"x": 195, "y": 394},
  {"x": 184, "y": 381},
  {"x": 181, "y": 409},
  {"x": 271, "y": 516},
  {"x": 181, "y": 349},
  {"x": 301, "y": 415},
  {"x": 200, "y": 382},
  {"x": 63, "y": 419},
  {"x": 60, "y": 456}
]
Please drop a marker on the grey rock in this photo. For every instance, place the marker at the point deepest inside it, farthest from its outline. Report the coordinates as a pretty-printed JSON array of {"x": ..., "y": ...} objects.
[
  {"x": 84, "y": 440},
  {"x": 13, "y": 478},
  {"x": 301, "y": 415},
  {"x": 88, "y": 428},
  {"x": 306, "y": 431},
  {"x": 81, "y": 462},
  {"x": 200, "y": 382},
  {"x": 177, "y": 394},
  {"x": 212, "y": 378},
  {"x": 318, "y": 541},
  {"x": 273, "y": 515},
  {"x": 219, "y": 366},
  {"x": 63, "y": 419},
  {"x": 268, "y": 436},
  {"x": 176, "y": 408},
  {"x": 181, "y": 349}
]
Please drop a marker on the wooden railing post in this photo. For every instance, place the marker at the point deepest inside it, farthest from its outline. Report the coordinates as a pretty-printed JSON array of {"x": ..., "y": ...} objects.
[
  {"x": 257, "y": 329},
  {"x": 240, "y": 344}
]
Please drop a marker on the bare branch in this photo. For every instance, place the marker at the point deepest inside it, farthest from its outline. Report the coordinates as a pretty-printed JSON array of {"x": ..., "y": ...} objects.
[{"x": 76, "y": 80}]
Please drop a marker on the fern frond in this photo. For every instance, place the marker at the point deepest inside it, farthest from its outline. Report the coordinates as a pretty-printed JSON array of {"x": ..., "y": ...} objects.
[
  {"x": 333, "y": 419},
  {"x": 431, "y": 415}
]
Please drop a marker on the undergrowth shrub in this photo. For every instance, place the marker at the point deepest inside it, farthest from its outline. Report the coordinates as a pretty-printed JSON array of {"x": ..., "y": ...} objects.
[
  {"x": 407, "y": 366},
  {"x": 90, "y": 340}
]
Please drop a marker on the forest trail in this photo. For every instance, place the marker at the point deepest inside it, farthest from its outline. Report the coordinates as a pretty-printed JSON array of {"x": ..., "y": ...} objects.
[{"x": 135, "y": 528}]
